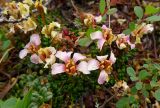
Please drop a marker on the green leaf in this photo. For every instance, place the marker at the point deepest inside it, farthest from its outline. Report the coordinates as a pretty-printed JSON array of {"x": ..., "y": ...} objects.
[
  {"x": 127, "y": 31},
  {"x": 143, "y": 74},
  {"x": 133, "y": 78},
  {"x": 85, "y": 42},
  {"x": 138, "y": 11},
  {"x": 123, "y": 103},
  {"x": 19, "y": 104},
  {"x": 153, "y": 18},
  {"x": 157, "y": 66},
  {"x": 133, "y": 90},
  {"x": 9, "y": 103},
  {"x": 139, "y": 85},
  {"x": 6, "y": 44},
  {"x": 132, "y": 26},
  {"x": 89, "y": 31},
  {"x": 132, "y": 99},
  {"x": 131, "y": 72},
  {"x": 102, "y": 6},
  {"x": 145, "y": 93},
  {"x": 153, "y": 83},
  {"x": 157, "y": 94},
  {"x": 27, "y": 99},
  {"x": 112, "y": 11},
  {"x": 145, "y": 65},
  {"x": 48, "y": 96},
  {"x": 151, "y": 10}
]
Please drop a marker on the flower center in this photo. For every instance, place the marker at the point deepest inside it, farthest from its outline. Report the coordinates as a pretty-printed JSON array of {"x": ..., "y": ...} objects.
[
  {"x": 44, "y": 53},
  {"x": 122, "y": 40},
  {"x": 70, "y": 67},
  {"x": 106, "y": 65},
  {"x": 33, "y": 48}
]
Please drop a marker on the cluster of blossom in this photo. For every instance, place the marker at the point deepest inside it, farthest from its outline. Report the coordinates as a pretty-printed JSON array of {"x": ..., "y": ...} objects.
[
  {"x": 72, "y": 63},
  {"x": 69, "y": 64},
  {"x": 22, "y": 10}
]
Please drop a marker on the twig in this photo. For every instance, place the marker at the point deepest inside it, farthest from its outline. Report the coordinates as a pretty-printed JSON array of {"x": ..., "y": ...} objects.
[
  {"x": 74, "y": 6},
  {"x": 7, "y": 88},
  {"x": 106, "y": 101},
  {"x": 109, "y": 16},
  {"x": 5, "y": 54},
  {"x": 154, "y": 45}
]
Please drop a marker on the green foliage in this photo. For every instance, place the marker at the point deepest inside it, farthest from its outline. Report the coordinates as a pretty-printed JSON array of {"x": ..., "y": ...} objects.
[
  {"x": 112, "y": 11},
  {"x": 138, "y": 11},
  {"x": 132, "y": 26},
  {"x": 123, "y": 103},
  {"x": 5, "y": 42},
  {"x": 149, "y": 9},
  {"x": 127, "y": 31},
  {"x": 84, "y": 41},
  {"x": 131, "y": 71},
  {"x": 146, "y": 82},
  {"x": 143, "y": 74},
  {"x": 139, "y": 85},
  {"x": 17, "y": 103},
  {"x": 153, "y": 18},
  {"x": 157, "y": 94},
  {"x": 102, "y": 6}
]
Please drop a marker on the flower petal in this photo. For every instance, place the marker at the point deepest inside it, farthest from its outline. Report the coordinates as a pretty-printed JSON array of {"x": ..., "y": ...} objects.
[
  {"x": 98, "y": 19},
  {"x": 131, "y": 45},
  {"x": 100, "y": 43},
  {"x": 64, "y": 56},
  {"x": 104, "y": 27},
  {"x": 35, "y": 39},
  {"x": 23, "y": 53},
  {"x": 83, "y": 67},
  {"x": 50, "y": 60},
  {"x": 58, "y": 68},
  {"x": 78, "y": 56},
  {"x": 96, "y": 35},
  {"x": 52, "y": 49},
  {"x": 149, "y": 28},
  {"x": 35, "y": 58},
  {"x": 102, "y": 77},
  {"x": 93, "y": 64},
  {"x": 112, "y": 58},
  {"x": 102, "y": 58}
]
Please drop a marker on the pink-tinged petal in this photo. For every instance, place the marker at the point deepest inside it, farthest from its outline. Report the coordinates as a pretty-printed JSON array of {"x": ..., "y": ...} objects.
[
  {"x": 93, "y": 64},
  {"x": 104, "y": 27},
  {"x": 102, "y": 58},
  {"x": 23, "y": 53},
  {"x": 102, "y": 77},
  {"x": 78, "y": 56},
  {"x": 100, "y": 43},
  {"x": 64, "y": 56},
  {"x": 58, "y": 68},
  {"x": 96, "y": 35},
  {"x": 35, "y": 39},
  {"x": 35, "y": 58},
  {"x": 98, "y": 19},
  {"x": 83, "y": 67},
  {"x": 112, "y": 58},
  {"x": 27, "y": 45},
  {"x": 131, "y": 45}
]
